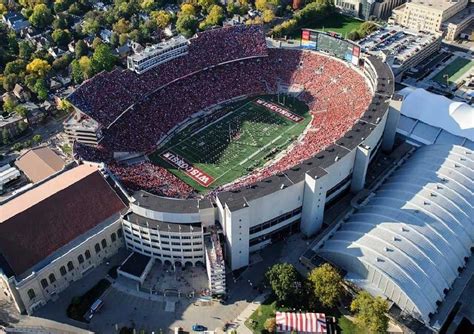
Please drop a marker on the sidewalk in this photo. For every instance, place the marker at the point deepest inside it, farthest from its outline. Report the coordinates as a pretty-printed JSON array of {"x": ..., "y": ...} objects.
[{"x": 246, "y": 313}]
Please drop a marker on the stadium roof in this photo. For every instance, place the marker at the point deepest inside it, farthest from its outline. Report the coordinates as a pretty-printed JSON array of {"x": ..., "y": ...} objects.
[
  {"x": 40, "y": 221},
  {"x": 39, "y": 163},
  {"x": 415, "y": 232},
  {"x": 456, "y": 118}
]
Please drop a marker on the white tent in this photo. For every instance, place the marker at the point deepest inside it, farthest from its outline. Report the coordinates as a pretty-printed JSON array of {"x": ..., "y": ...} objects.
[{"x": 456, "y": 118}]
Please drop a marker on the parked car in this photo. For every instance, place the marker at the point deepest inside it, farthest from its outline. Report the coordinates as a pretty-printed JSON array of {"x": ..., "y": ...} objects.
[{"x": 199, "y": 328}]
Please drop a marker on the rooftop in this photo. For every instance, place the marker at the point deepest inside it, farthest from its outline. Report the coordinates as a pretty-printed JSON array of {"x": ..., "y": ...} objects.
[
  {"x": 435, "y": 4},
  {"x": 52, "y": 214},
  {"x": 39, "y": 163}
]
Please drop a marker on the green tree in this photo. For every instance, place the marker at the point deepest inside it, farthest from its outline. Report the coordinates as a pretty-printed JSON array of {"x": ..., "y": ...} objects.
[
  {"x": 9, "y": 82},
  {"x": 41, "y": 89},
  {"x": 91, "y": 26},
  {"x": 80, "y": 49},
  {"x": 25, "y": 50},
  {"x": 5, "y": 136},
  {"x": 370, "y": 312},
  {"x": 20, "y": 110},
  {"x": 9, "y": 104},
  {"x": 22, "y": 126},
  {"x": 326, "y": 282},
  {"x": 86, "y": 66},
  {"x": 353, "y": 35},
  {"x": 215, "y": 17},
  {"x": 187, "y": 9},
  {"x": 76, "y": 71},
  {"x": 268, "y": 15},
  {"x": 103, "y": 59},
  {"x": 186, "y": 25},
  {"x": 37, "y": 138},
  {"x": 207, "y": 5},
  {"x": 367, "y": 28},
  {"x": 41, "y": 16},
  {"x": 163, "y": 18},
  {"x": 284, "y": 281},
  {"x": 62, "y": 62},
  {"x": 122, "y": 26},
  {"x": 15, "y": 67},
  {"x": 270, "y": 325},
  {"x": 96, "y": 42},
  {"x": 61, "y": 37}
]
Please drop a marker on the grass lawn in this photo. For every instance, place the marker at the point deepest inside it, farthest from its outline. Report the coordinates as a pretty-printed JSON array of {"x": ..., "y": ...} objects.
[
  {"x": 269, "y": 307},
  {"x": 454, "y": 70},
  {"x": 234, "y": 140},
  {"x": 341, "y": 24}
]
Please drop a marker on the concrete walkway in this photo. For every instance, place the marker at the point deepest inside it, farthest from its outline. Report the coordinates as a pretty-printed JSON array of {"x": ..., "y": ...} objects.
[{"x": 246, "y": 313}]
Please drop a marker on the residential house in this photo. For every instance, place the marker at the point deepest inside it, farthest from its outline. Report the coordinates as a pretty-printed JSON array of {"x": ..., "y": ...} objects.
[
  {"x": 21, "y": 93},
  {"x": 34, "y": 113},
  {"x": 15, "y": 21},
  {"x": 105, "y": 35},
  {"x": 11, "y": 125}
]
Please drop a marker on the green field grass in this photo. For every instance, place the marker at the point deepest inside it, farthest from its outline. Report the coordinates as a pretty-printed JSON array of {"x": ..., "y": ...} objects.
[
  {"x": 336, "y": 22},
  {"x": 244, "y": 138},
  {"x": 454, "y": 70}
]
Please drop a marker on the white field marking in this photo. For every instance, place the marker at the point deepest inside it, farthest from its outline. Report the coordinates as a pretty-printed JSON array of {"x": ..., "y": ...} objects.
[{"x": 208, "y": 125}]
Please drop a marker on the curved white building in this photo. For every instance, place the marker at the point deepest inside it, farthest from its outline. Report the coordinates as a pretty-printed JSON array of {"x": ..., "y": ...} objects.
[{"x": 412, "y": 238}]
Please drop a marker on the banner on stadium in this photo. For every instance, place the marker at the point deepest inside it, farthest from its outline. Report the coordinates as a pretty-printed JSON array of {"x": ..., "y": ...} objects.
[
  {"x": 279, "y": 110},
  {"x": 301, "y": 322},
  {"x": 196, "y": 174}
]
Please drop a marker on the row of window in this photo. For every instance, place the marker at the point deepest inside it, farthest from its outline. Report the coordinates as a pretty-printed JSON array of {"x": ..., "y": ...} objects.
[
  {"x": 274, "y": 221},
  {"x": 165, "y": 248},
  {"x": 81, "y": 258},
  {"x": 164, "y": 236},
  {"x": 164, "y": 242},
  {"x": 165, "y": 255}
]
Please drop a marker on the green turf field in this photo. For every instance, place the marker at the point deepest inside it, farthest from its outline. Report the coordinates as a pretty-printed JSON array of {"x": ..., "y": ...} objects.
[
  {"x": 245, "y": 136},
  {"x": 336, "y": 22},
  {"x": 454, "y": 70}
]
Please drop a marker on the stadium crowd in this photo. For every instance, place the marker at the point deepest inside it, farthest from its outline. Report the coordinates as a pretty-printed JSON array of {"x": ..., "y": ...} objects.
[{"x": 336, "y": 94}]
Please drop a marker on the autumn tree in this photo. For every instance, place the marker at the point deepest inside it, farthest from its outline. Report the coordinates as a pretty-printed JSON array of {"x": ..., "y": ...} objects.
[
  {"x": 326, "y": 281},
  {"x": 370, "y": 312}
]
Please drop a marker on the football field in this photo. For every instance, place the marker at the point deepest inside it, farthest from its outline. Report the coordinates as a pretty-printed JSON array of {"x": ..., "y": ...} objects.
[
  {"x": 454, "y": 71},
  {"x": 233, "y": 140}
]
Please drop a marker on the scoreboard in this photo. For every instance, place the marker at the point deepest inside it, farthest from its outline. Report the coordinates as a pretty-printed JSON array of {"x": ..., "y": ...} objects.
[{"x": 331, "y": 43}]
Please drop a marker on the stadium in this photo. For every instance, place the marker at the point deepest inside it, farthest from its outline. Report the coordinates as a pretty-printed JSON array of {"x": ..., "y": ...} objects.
[{"x": 228, "y": 129}]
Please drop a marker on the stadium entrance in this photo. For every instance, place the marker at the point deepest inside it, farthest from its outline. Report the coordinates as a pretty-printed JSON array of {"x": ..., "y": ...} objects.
[{"x": 222, "y": 146}]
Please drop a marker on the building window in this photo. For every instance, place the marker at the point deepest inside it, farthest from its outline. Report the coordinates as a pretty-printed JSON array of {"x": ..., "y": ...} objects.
[
  {"x": 87, "y": 254},
  {"x": 62, "y": 270},
  {"x": 52, "y": 278},
  {"x": 97, "y": 248},
  {"x": 70, "y": 266},
  {"x": 80, "y": 259},
  {"x": 44, "y": 283},
  {"x": 113, "y": 237},
  {"x": 119, "y": 233},
  {"x": 31, "y": 294},
  {"x": 104, "y": 243}
]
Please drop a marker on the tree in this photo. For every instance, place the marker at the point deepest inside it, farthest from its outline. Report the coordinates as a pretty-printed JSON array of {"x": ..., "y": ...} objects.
[
  {"x": 80, "y": 49},
  {"x": 61, "y": 37},
  {"x": 163, "y": 18},
  {"x": 40, "y": 89},
  {"x": 367, "y": 28},
  {"x": 370, "y": 312},
  {"x": 103, "y": 59},
  {"x": 25, "y": 50},
  {"x": 284, "y": 281},
  {"x": 149, "y": 5},
  {"x": 122, "y": 26},
  {"x": 9, "y": 104},
  {"x": 87, "y": 70},
  {"x": 39, "y": 67},
  {"x": 62, "y": 62},
  {"x": 3, "y": 9},
  {"x": 353, "y": 35},
  {"x": 186, "y": 25},
  {"x": 207, "y": 5},
  {"x": 326, "y": 284},
  {"x": 91, "y": 26},
  {"x": 215, "y": 17},
  {"x": 268, "y": 15},
  {"x": 96, "y": 42},
  {"x": 20, "y": 110},
  {"x": 41, "y": 16},
  {"x": 76, "y": 71},
  {"x": 270, "y": 325},
  {"x": 5, "y": 136},
  {"x": 9, "y": 82},
  {"x": 15, "y": 67},
  {"x": 187, "y": 9},
  {"x": 37, "y": 138}
]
